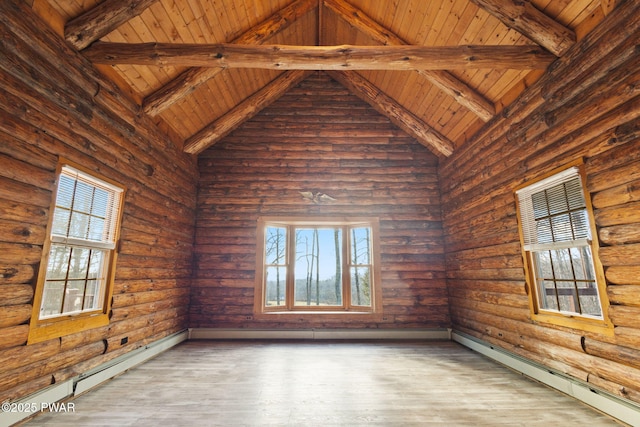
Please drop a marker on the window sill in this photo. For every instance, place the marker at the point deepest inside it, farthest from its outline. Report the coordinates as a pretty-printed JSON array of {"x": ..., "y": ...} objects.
[
  {"x": 598, "y": 326},
  {"x": 324, "y": 316},
  {"x": 51, "y": 328}
]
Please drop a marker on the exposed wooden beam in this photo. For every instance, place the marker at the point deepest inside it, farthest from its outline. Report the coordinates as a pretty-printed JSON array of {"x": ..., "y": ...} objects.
[
  {"x": 522, "y": 16},
  {"x": 405, "y": 120},
  {"x": 445, "y": 81},
  {"x": 248, "y": 108},
  {"x": 345, "y": 57},
  {"x": 190, "y": 79},
  {"x": 101, "y": 20}
]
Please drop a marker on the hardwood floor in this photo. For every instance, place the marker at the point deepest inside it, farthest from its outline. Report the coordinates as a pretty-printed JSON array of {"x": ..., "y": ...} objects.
[{"x": 258, "y": 383}]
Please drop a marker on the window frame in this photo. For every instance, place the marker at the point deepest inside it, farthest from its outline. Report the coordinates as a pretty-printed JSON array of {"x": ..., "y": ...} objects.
[
  {"x": 41, "y": 329},
  {"x": 343, "y": 312},
  {"x": 561, "y": 318}
]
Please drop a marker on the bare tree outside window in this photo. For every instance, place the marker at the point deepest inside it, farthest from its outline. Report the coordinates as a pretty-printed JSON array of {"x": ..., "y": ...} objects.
[{"x": 317, "y": 266}]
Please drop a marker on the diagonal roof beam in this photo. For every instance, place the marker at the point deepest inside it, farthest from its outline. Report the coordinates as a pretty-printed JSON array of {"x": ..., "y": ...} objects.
[
  {"x": 445, "y": 81},
  {"x": 101, "y": 20},
  {"x": 190, "y": 79},
  {"x": 248, "y": 108},
  {"x": 344, "y": 57},
  {"x": 385, "y": 105},
  {"x": 522, "y": 16}
]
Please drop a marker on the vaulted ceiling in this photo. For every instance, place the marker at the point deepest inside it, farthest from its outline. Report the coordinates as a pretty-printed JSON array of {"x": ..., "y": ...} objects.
[{"x": 438, "y": 69}]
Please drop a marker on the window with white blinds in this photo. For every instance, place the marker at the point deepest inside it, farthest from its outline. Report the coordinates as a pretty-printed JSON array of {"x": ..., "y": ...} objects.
[
  {"x": 556, "y": 235},
  {"x": 83, "y": 237}
]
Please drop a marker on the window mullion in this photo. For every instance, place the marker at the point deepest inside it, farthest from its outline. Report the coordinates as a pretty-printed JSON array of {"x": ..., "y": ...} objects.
[
  {"x": 290, "y": 259},
  {"x": 346, "y": 267}
]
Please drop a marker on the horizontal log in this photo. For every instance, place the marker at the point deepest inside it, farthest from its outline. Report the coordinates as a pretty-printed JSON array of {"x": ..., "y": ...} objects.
[
  {"x": 13, "y": 315},
  {"x": 26, "y": 389},
  {"x": 14, "y": 358},
  {"x": 148, "y": 264},
  {"x": 345, "y": 57},
  {"x": 623, "y": 275},
  {"x": 25, "y": 173},
  {"x": 624, "y": 152},
  {"x": 620, "y": 234},
  {"x": 557, "y": 365},
  {"x": 60, "y": 361},
  {"x": 615, "y": 389},
  {"x": 15, "y": 274},
  {"x": 494, "y": 298},
  {"x": 138, "y": 310},
  {"x": 101, "y": 359},
  {"x": 136, "y": 273},
  {"x": 11, "y": 210},
  {"x": 615, "y": 175},
  {"x": 80, "y": 339},
  {"x": 624, "y": 295},
  {"x": 485, "y": 263},
  {"x": 516, "y": 274},
  {"x": 514, "y": 313},
  {"x": 627, "y": 337},
  {"x": 526, "y": 335},
  {"x": 174, "y": 251},
  {"x": 123, "y": 300},
  {"x": 628, "y": 192},
  {"x": 622, "y": 315},
  {"x": 13, "y": 336},
  {"x": 15, "y": 294},
  {"x": 513, "y": 248},
  {"x": 146, "y": 285},
  {"x": 25, "y": 193},
  {"x": 607, "y": 351},
  {"x": 617, "y": 371},
  {"x": 497, "y": 286},
  {"x": 19, "y": 253},
  {"x": 620, "y": 255},
  {"x": 19, "y": 232},
  {"x": 134, "y": 338},
  {"x": 628, "y": 213}
]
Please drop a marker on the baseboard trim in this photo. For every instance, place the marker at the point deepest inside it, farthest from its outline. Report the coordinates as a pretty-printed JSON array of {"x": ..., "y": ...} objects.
[
  {"x": 88, "y": 380},
  {"x": 319, "y": 334},
  {"x": 624, "y": 410}
]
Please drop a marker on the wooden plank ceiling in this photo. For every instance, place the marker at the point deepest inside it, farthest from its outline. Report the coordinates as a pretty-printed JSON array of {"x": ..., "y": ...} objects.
[{"x": 438, "y": 69}]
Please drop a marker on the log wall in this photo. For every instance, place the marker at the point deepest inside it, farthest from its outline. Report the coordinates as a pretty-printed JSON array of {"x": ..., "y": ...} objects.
[
  {"x": 319, "y": 137},
  {"x": 53, "y": 103},
  {"x": 587, "y": 106}
]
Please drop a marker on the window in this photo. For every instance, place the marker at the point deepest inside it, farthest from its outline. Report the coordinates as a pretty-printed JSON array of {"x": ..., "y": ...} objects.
[
  {"x": 319, "y": 266},
  {"x": 560, "y": 250},
  {"x": 75, "y": 273}
]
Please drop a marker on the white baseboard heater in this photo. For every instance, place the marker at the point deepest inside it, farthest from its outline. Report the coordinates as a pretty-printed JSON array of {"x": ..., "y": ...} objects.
[
  {"x": 617, "y": 407},
  {"x": 87, "y": 380},
  {"x": 319, "y": 334}
]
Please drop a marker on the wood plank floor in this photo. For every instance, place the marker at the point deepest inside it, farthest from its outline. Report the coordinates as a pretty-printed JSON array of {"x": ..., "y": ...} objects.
[{"x": 258, "y": 383}]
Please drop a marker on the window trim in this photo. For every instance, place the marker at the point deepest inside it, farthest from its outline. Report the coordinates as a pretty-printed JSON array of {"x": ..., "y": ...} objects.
[
  {"x": 538, "y": 314},
  {"x": 66, "y": 324},
  {"x": 352, "y": 312}
]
